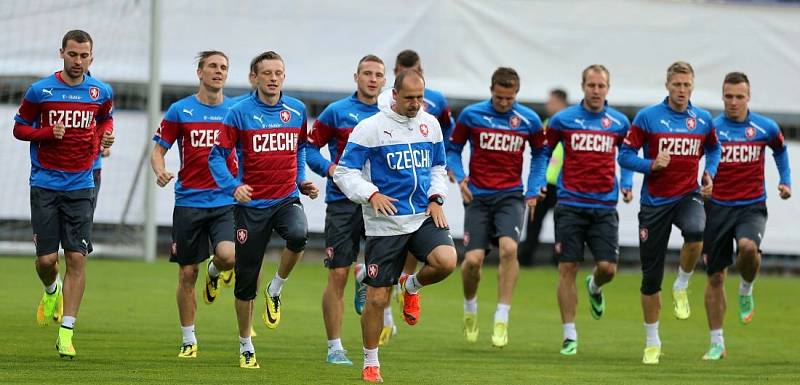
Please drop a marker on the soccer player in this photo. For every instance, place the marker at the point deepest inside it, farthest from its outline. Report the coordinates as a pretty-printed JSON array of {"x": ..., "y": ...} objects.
[
  {"x": 556, "y": 101},
  {"x": 344, "y": 224},
  {"x": 203, "y": 213},
  {"x": 497, "y": 130},
  {"x": 268, "y": 132},
  {"x": 674, "y": 135},
  {"x": 737, "y": 210},
  {"x": 393, "y": 165},
  {"x": 586, "y": 213},
  {"x": 66, "y": 117}
]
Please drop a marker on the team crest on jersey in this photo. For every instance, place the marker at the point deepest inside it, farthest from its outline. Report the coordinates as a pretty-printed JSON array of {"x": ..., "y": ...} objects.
[
  {"x": 691, "y": 123},
  {"x": 423, "y": 129},
  {"x": 285, "y": 116},
  {"x": 643, "y": 233},
  {"x": 94, "y": 93},
  {"x": 241, "y": 236},
  {"x": 749, "y": 132},
  {"x": 514, "y": 121},
  {"x": 605, "y": 122},
  {"x": 372, "y": 270}
]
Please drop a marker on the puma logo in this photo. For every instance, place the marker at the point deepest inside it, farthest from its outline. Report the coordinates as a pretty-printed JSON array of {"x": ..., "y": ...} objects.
[
  {"x": 47, "y": 91},
  {"x": 188, "y": 112}
]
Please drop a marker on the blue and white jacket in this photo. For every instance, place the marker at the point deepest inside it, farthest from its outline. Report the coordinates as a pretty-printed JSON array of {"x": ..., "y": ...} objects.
[{"x": 400, "y": 157}]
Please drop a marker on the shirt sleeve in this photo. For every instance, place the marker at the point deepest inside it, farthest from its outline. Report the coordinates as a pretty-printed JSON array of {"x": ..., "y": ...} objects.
[
  {"x": 629, "y": 151},
  {"x": 217, "y": 164}
]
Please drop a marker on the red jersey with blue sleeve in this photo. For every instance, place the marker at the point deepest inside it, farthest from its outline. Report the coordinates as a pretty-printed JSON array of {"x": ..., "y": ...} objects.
[
  {"x": 497, "y": 141},
  {"x": 270, "y": 147},
  {"x": 86, "y": 112},
  {"x": 332, "y": 128},
  {"x": 686, "y": 136},
  {"x": 740, "y": 176},
  {"x": 588, "y": 176},
  {"x": 435, "y": 104},
  {"x": 195, "y": 127}
]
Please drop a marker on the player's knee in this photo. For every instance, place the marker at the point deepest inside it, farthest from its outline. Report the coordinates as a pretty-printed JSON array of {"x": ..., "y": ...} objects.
[
  {"x": 607, "y": 269},
  {"x": 567, "y": 270},
  {"x": 47, "y": 261},
  {"x": 226, "y": 255},
  {"x": 716, "y": 280},
  {"x": 651, "y": 284},
  {"x": 337, "y": 276},
  {"x": 747, "y": 248},
  {"x": 473, "y": 260},
  {"x": 508, "y": 248},
  {"x": 296, "y": 239},
  {"x": 378, "y": 297},
  {"x": 187, "y": 275},
  {"x": 443, "y": 258}
]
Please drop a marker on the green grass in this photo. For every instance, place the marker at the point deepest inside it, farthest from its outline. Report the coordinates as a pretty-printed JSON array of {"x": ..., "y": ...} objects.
[{"x": 128, "y": 332}]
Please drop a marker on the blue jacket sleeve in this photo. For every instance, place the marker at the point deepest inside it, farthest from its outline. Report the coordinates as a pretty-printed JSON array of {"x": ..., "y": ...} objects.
[
  {"x": 218, "y": 166},
  {"x": 454, "y": 163},
  {"x": 625, "y": 178},
  {"x": 540, "y": 157},
  {"x": 316, "y": 161},
  {"x": 713, "y": 153},
  {"x": 782, "y": 162},
  {"x": 301, "y": 163},
  {"x": 629, "y": 158}
]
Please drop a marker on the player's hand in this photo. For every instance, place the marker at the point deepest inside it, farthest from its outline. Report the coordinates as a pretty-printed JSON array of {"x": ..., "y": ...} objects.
[
  {"x": 707, "y": 186},
  {"x": 308, "y": 188},
  {"x": 331, "y": 169},
  {"x": 784, "y": 191},
  {"x": 163, "y": 177},
  {"x": 436, "y": 212},
  {"x": 106, "y": 152},
  {"x": 660, "y": 162},
  {"x": 466, "y": 195},
  {"x": 531, "y": 203},
  {"x": 627, "y": 195},
  {"x": 59, "y": 130},
  {"x": 451, "y": 176},
  {"x": 382, "y": 204},
  {"x": 108, "y": 140},
  {"x": 243, "y": 193}
]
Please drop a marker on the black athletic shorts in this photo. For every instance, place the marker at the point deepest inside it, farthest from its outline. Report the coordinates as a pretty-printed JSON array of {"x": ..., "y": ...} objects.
[
  {"x": 579, "y": 226},
  {"x": 727, "y": 224},
  {"x": 61, "y": 217},
  {"x": 385, "y": 256},
  {"x": 488, "y": 218},
  {"x": 254, "y": 227},
  {"x": 96, "y": 174},
  {"x": 194, "y": 227},
  {"x": 344, "y": 229}
]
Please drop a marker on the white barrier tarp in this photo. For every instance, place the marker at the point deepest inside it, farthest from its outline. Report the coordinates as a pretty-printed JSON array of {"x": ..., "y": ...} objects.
[{"x": 461, "y": 42}]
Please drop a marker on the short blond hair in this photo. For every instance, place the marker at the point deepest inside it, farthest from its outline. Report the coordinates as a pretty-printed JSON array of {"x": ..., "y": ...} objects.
[{"x": 679, "y": 67}]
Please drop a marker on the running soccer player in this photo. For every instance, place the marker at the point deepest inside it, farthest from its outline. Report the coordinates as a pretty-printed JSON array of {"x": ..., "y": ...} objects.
[
  {"x": 497, "y": 130},
  {"x": 344, "y": 224},
  {"x": 66, "y": 117},
  {"x": 203, "y": 213},
  {"x": 737, "y": 210},
  {"x": 674, "y": 135},
  {"x": 586, "y": 213},
  {"x": 268, "y": 132},
  {"x": 394, "y": 166}
]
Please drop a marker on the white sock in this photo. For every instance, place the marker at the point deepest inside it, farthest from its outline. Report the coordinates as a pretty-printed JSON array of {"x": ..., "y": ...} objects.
[
  {"x": 334, "y": 345},
  {"x": 746, "y": 288},
  {"x": 593, "y": 288},
  {"x": 412, "y": 284},
  {"x": 361, "y": 272},
  {"x": 471, "y": 305},
  {"x": 570, "y": 333},
  {"x": 50, "y": 289},
  {"x": 388, "y": 320},
  {"x": 68, "y": 322},
  {"x": 682, "y": 282},
  {"x": 652, "y": 334},
  {"x": 716, "y": 337},
  {"x": 501, "y": 314},
  {"x": 246, "y": 345},
  {"x": 276, "y": 285},
  {"x": 213, "y": 272},
  {"x": 371, "y": 357},
  {"x": 188, "y": 335}
]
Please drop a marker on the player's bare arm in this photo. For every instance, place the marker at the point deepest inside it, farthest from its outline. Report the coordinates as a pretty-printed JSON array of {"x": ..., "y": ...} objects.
[{"x": 163, "y": 176}]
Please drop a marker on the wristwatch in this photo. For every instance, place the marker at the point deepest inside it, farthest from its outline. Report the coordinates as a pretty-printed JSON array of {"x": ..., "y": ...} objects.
[{"x": 436, "y": 199}]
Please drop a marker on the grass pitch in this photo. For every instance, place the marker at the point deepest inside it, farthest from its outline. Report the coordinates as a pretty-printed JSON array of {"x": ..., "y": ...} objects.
[{"x": 128, "y": 332}]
